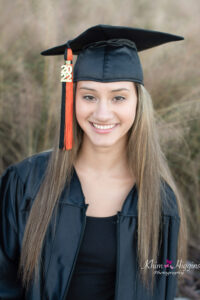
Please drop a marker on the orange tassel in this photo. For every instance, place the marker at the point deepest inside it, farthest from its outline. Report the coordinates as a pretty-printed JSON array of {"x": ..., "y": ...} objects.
[{"x": 68, "y": 130}]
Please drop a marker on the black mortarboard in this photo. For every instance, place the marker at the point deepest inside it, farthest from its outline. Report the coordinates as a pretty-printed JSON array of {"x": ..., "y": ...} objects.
[{"x": 105, "y": 54}]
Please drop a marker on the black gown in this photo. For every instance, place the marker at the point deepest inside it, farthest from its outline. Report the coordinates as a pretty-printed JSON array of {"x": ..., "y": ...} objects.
[{"x": 18, "y": 188}]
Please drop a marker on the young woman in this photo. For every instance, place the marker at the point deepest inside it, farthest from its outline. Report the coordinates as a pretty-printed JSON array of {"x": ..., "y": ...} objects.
[{"x": 100, "y": 217}]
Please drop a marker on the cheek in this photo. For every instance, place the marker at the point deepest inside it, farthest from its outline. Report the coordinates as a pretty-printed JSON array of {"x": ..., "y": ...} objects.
[
  {"x": 128, "y": 114},
  {"x": 82, "y": 110}
]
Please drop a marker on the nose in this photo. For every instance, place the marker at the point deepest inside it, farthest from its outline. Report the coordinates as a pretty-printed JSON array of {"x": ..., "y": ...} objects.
[{"x": 103, "y": 111}]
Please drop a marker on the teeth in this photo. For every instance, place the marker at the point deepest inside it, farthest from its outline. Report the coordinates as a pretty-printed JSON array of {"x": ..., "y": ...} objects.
[{"x": 103, "y": 127}]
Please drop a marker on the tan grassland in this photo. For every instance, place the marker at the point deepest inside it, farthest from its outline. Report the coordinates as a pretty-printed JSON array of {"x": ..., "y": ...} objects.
[{"x": 30, "y": 88}]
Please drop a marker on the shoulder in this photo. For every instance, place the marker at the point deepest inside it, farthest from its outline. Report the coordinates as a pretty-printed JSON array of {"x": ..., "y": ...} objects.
[
  {"x": 169, "y": 201},
  {"x": 28, "y": 173},
  {"x": 35, "y": 165}
]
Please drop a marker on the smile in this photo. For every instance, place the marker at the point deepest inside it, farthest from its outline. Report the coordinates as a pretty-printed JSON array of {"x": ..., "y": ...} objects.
[
  {"x": 103, "y": 126},
  {"x": 101, "y": 129}
]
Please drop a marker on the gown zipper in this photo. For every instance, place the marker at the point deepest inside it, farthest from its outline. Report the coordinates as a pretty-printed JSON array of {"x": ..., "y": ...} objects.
[
  {"x": 118, "y": 254},
  {"x": 76, "y": 255}
]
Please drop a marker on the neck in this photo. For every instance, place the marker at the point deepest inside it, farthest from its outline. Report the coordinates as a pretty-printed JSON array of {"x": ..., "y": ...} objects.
[{"x": 103, "y": 160}]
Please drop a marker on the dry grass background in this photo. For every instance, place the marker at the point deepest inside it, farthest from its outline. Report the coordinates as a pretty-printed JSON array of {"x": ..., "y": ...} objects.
[{"x": 30, "y": 88}]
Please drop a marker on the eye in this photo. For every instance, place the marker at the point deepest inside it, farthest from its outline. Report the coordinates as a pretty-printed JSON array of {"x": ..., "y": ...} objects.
[
  {"x": 119, "y": 98},
  {"x": 89, "y": 97}
]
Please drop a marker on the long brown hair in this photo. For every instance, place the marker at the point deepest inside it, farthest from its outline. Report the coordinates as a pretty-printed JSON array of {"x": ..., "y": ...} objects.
[{"x": 148, "y": 164}]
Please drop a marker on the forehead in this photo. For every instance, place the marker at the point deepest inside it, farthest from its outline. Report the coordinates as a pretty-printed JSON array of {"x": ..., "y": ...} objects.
[{"x": 110, "y": 86}]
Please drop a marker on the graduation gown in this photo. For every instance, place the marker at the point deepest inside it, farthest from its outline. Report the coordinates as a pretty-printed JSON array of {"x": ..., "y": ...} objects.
[{"x": 18, "y": 187}]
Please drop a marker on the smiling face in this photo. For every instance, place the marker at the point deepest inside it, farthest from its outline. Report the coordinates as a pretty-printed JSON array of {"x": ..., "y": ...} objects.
[{"x": 105, "y": 111}]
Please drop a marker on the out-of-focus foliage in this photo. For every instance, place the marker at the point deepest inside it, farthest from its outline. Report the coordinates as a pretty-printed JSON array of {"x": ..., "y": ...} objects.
[{"x": 30, "y": 88}]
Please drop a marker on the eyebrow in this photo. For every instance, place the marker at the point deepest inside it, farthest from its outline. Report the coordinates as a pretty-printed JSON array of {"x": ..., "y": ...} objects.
[{"x": 116, "y": 90}]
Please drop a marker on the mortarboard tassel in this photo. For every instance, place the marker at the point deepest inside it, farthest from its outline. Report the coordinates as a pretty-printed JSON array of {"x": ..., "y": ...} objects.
[{"x": 66, "y": 124}]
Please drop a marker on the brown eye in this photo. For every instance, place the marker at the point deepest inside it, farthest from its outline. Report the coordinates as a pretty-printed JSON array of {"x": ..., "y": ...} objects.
[
  {"x": 88, "y": 97},
  {"x": 119, "y": 98}
]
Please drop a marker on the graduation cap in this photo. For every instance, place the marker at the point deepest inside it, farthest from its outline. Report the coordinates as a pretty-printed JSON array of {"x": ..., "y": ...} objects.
[{"x": 105, "y": 54}]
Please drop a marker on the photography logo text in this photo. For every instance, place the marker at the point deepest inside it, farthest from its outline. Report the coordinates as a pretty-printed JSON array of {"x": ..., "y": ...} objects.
[{"x": 170, "y": 268}]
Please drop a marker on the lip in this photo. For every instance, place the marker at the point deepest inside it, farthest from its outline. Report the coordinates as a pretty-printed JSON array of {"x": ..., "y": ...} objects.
[{"x": 97, "y": 130}]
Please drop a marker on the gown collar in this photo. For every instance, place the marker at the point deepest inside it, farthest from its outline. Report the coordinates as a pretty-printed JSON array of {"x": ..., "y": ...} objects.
[{"x": 73, "y": 195}]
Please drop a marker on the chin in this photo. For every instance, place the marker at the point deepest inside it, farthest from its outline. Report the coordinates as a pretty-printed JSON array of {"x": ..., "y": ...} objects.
[
  {"x": 103, "y": 141},
  {"x": 103, "y": 144}
]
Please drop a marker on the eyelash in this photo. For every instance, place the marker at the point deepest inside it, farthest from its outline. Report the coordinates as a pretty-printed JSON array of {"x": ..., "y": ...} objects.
[
  {"x": 88, "y": 97},
  {"x": 121, "y": 98},
  {"x": 91, "y": 98}
]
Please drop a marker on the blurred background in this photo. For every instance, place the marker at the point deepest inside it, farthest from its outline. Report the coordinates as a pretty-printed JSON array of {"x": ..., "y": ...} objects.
[{"x": 30, "y": 88}]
